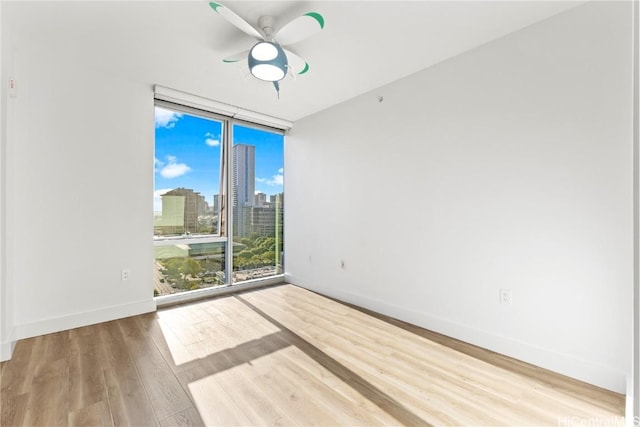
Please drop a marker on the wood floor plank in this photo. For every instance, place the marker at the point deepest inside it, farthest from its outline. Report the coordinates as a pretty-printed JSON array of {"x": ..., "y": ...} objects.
[
  {"x": 210, "y": 399},
  {"x": 280, "y": 356},
  {"x": 363, "y": 409},
  {"x": 300, "y": 407},
  {"x": 128, "y": 401},
  {"x": 239, "y": 367},
  {"x": 176, "y": 316},
  {"x": 16, "y": 375},
  {"x": 86, "y": 379},
  {"x": 56, "y": 346},
  {"x": 163, "y": 388},
  {"x": 401, "y": 373},
  {"x": 13, "y": 410},
  {"x": 127, "y": 397},
  {"x": 347, "y": 411},
  {"x": 48, "y": 403},
  {"x": 174, "y": 352},
  {"x": 96, "y": 414},
  {"x": 257, "y": 406},
  {"x": 186, "y": 418}
]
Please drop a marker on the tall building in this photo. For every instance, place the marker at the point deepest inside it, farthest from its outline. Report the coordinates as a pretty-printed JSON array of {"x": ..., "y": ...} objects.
[
  {"x": 180, "y": 210},
  {"x": 277, "y": 199},
  {"x": 216, "y": 204},
  {"x": 244, "y": 178},
  {"x": 260, "y": 199},
  {"x": 263, "y": 221},
  {"x": 243, "y": 188}
]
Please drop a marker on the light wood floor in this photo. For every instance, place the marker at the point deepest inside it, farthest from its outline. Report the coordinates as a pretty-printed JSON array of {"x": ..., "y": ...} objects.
[{"x": 280, "y": 356}]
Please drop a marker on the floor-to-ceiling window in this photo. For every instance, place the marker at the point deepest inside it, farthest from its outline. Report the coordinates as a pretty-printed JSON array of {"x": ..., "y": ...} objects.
[
  {"x": 258, "y": 200},
  {"x": 215, "y": 177}
]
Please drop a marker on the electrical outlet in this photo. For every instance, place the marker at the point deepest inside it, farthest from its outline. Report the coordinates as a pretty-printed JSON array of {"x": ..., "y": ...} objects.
[
  {"x": 505, "y": 296},
  {"x": 12, "y": 86},
  {"x": 125, "y": 274}
]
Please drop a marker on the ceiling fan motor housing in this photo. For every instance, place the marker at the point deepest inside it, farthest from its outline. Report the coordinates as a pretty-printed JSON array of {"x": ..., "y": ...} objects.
[
  {"x": 267, "y": 61},
  {"x": 266, "y": 24}
]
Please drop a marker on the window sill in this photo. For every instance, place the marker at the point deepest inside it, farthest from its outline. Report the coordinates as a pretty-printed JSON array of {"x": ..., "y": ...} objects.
[{"x": 184, "y": 297}]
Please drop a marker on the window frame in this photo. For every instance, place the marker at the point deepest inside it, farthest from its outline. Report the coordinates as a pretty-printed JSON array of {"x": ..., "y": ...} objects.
[
  {"x": 225, "y": 233},
  {"x": 203, "y": 238}
]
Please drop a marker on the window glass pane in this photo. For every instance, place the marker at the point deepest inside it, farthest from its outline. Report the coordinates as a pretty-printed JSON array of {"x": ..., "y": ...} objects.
[
  {"x": 188, "y": 157},
  {"x": 187, "y": 267},
  {"x": 257, "y": 200}
]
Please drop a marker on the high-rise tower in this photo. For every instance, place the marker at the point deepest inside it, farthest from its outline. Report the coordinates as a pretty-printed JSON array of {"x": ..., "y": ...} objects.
[
  {"x": 244, "y": 177},
  {"x": 244, "y": 184}
]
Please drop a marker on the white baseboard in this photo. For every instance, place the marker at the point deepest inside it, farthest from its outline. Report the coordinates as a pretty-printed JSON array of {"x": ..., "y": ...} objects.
[
  {"x": 76, "y": 320},
  {"x": 628, "y": 409},
  {"x": 565, "y": 364},
  {"x": 6, "y": 349}
]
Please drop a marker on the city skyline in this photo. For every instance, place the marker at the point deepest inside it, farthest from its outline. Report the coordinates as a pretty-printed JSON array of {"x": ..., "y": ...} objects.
[{"x": 187, "y": 154}]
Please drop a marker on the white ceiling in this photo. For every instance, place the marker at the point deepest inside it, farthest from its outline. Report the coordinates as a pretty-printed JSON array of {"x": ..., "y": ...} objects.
[{"x": 180, "y": 44}]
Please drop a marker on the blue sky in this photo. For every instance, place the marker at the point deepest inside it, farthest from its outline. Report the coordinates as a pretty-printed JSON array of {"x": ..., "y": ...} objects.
[{"x": 187, "y": 154}]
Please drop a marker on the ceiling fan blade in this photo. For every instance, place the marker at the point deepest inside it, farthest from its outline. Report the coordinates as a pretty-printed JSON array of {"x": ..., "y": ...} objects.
[
  {"x": 300, "y": 28},
  {"x": 297, "y": 65},
  {"x": 241, "y": 56},
  {"x": 240, "y": 23}
]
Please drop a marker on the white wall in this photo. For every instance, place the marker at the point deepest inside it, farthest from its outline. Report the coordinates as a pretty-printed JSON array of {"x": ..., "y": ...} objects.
[
  {"x": 79, "y": 157},
  {"x": 6, "y": 316},
  {"x": 509, "y": 166},
  {"x": 633, "y": 387}
]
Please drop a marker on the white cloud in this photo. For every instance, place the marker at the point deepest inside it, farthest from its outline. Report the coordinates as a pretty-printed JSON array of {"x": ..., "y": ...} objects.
[
  {"x": 166, "y": 118},
  {"x": 157, "y": 164},
  {"x": 173, "y": 169},
  {"x": 275, "y": 180},
  {"x": 281, "y": 171},
  {"x": 211, "y": 140}
]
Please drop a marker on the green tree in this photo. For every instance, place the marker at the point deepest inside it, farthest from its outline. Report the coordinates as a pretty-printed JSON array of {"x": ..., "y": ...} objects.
[
  {"x": 255, "y": 261},
  {"x": 191, "y": 267}
]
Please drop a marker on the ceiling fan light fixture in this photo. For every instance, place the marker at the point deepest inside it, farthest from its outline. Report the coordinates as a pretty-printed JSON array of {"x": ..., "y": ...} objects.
[
  {"x": 268, "y": 72},
  {"x": 267, "y": 61},
  {"x": 264, "y": 51}
]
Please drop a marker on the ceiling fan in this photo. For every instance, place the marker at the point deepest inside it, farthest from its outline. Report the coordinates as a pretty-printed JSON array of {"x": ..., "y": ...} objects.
[{"x": 267, "y": 59}]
